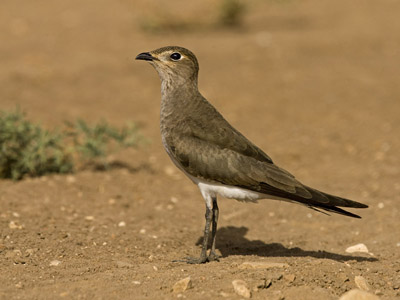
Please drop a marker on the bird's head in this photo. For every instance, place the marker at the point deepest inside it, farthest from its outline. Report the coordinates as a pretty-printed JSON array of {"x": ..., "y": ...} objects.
[{"x": 175, "y": 65}]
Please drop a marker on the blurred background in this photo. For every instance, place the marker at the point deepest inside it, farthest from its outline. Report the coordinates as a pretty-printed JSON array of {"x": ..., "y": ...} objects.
[
  {"x": 313, "y": 83},
  {"x": 322, "y": 74}
]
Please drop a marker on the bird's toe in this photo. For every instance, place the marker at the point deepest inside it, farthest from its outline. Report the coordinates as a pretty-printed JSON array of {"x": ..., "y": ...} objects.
[{"x": 213, "y": 257}]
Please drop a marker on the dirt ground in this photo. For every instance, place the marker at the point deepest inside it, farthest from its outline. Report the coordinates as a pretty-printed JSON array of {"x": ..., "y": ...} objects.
[{"x": 313, "y": 83}]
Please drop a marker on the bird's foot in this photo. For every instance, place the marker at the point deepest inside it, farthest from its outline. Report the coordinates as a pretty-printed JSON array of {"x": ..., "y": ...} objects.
[
  {"x": 193, "y": 260},
  {"x": 213, "y": 256}
]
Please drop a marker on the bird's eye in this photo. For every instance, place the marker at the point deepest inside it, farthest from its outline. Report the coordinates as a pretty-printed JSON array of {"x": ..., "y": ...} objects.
[{"x": 175, "y": 56}]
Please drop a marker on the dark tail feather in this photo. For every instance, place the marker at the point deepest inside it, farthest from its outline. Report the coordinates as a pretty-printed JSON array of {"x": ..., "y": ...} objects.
[
  {"x": 330, "y": 203},
  {"x": 335, "y": 210},
  {"x": 318, "y": 200}
]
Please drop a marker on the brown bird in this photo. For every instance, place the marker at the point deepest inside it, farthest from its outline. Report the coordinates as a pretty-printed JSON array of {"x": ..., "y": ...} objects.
[{"x": 217, "y": 157}]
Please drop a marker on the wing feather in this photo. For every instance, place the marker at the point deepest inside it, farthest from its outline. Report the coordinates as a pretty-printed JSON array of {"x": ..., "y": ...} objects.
[{"x": 213, "y": 163}]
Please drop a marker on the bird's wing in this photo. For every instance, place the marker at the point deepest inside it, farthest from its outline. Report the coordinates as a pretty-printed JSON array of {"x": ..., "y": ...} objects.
[{"x": 213, "y": 163}]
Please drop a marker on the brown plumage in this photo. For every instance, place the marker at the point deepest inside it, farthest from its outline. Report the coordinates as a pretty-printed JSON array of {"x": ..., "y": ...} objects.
[{"x": 214, "y": 155}]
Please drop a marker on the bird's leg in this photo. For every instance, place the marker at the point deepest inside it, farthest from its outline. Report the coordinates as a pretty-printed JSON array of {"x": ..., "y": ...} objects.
[
  {"x": 215, "y": 213},
  {"x": 203, "y": 255}
]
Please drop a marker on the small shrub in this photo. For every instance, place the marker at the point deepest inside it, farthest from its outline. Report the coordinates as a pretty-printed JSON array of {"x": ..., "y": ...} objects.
[
  {"x": 26, "y": 149},
  {"x": 231, "y": 13}
]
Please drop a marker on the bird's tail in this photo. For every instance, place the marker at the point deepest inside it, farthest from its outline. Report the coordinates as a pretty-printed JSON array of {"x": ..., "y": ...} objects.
[
  {"x": 327, "y": 202},
  {"x": 318, "y": 200}
]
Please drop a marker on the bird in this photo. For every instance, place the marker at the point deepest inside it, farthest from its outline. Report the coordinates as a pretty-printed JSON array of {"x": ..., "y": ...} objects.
[{"x": 215, "y": 156}]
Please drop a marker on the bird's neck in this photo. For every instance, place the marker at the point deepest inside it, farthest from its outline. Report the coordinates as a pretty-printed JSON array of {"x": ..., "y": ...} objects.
[
  {"x": 177, "y": 98},
  {"x": 175, "y": 92},
  {"x": 174, "y": 84}
]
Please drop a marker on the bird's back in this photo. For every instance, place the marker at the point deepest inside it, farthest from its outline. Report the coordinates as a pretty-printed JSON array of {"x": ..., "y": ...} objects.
[{"x": 193, "y": 116}]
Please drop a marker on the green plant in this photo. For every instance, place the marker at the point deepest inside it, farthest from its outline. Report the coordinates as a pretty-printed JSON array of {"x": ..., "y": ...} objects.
[
  {"x": 97, "y": 141},
  {"x": 231, "y": 13},
  {"x": 26, "y": 149}
]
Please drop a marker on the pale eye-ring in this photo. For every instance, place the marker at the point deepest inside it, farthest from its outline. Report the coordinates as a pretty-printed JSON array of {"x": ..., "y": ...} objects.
[{"x": 175, "y": 56}]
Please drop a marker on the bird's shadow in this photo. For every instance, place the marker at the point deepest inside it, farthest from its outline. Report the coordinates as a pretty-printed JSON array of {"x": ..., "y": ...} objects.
[{"x": 231, "y": 240}]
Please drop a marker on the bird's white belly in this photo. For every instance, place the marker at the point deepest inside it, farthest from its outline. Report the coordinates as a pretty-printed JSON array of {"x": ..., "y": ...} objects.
[{"x": 231, "y": 192}]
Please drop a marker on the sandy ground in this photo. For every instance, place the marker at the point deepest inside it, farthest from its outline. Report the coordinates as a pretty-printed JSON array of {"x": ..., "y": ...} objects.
[{"x": 313, "y": 83}]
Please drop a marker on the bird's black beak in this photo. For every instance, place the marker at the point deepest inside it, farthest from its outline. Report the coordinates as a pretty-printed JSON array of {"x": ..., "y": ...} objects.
[{"x": 145, "y": 56}]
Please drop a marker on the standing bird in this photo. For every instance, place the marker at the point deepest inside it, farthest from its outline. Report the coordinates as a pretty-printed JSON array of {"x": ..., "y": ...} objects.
[{"x": 214, "y": 155}]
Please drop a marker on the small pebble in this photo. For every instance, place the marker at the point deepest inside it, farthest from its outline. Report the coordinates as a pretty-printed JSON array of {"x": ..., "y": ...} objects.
[
  {"x": 14, "y": 225},
  {"x": 121, "y": 224},
  {"x": 381, "y": 205},
  {"x": 136, "y": 282},
  {"x": 89, "y": 218},
  {"x": 361, "y": 283},
  {"x": 264, "y": 284},
  {"x": 289, "y": 277},
  {"x": 29, "y": 252},
  {"x": 182, "y": 285},
  {"x": 241, "y": 288},
  {"x": 142, "y": 231},
  {"x": 55, "y": 263},
  {"x": 357, "y": 248}
]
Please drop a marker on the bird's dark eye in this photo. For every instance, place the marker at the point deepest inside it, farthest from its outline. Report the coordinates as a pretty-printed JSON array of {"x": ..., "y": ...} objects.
[{"x": 175, "y": 56}]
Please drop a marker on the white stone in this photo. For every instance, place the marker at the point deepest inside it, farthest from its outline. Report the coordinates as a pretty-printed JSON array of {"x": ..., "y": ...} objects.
[
  {"x": 182, "y": 285},
  {"x": 241, "y": 288},
  {"x": 14, "y": 225},
  {"x": 361, "y": 283},
  {"x": 357, "y": 248},
  {"x": 55, "y": 263}
]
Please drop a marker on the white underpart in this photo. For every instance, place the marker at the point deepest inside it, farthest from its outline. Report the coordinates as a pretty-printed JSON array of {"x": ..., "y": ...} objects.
[{"x": 211, "y": 190}]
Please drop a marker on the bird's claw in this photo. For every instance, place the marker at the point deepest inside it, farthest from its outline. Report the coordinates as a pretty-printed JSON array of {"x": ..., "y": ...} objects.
[{"x": 213, "y": 257}]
